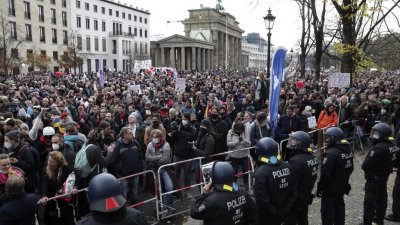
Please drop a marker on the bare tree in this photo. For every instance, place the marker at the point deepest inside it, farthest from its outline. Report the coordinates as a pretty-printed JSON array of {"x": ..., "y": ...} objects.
[
  {"x": 9, "y": 44},
  {"x": 73, "y": 56},
  {"x": 359, "y": 23},
  {"x": 305, "y": 41}
]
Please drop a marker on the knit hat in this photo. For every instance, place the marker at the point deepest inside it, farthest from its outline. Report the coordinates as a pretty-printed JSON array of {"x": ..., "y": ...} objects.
[
  {"x": 21, "y": 113},
  {"x": 63, "y": 115},
  {"x": 206, "y": 123},
  {"x": 24, "y": 126},
  {"x": 13, "y": 135}
]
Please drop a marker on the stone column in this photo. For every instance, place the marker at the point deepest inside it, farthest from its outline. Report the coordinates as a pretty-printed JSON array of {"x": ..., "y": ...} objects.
[
  {"x": 232, "y": 52},
  {"x": 183, "y": 58},
  {"x": 215, "y": 40},
  {"x": 156, "y": 55},
  {"x": 162, "y": 56},
  {"x": 203, "y": 59},
  {"x": 188, "y": 60},
  {"x": 238, "y": 52},
  {"x": 198, "y": 67},
  {"x": 210, "y": 60},
  {"x": 193, "y": 59},
  {"x": 172, "y": 57}
]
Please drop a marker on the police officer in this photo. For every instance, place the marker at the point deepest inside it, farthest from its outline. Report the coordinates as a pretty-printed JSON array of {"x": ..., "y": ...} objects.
[
  {"x": 223, "y": 202},
  {"x": 337, "y": 166},
  {"x": 377, "y": 167},
  {"x": 395, "y": 215},
  {"x": 305, "y": 166},
  {"x": 108, "y": 204},
  {"x": 275, "y": 184}
]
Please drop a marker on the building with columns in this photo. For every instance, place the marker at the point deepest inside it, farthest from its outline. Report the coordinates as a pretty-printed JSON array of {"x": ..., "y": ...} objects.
[{"x": 212, "y": 40}]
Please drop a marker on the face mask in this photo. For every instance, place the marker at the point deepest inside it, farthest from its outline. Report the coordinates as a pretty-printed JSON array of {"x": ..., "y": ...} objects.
[
  {"x": 7, "y": 145},
  {"x": 156, "y": 140},
  {"x": 214, "y": 116},
  {"x": 203, "y": 130},
  {"x": 55, "y": 146},
  {"x": 155, "y": 124},
  {"x": 383, "y": 111},
  {"x": 222, "y": 114},
  {"x": 185, "y": 122}
]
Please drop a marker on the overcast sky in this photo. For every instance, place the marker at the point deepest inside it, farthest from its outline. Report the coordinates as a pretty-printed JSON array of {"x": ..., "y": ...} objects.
[{"x": 248, "y": 13}]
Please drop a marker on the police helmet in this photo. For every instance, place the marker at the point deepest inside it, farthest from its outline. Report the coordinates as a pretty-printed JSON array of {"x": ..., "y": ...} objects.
[
  {"x": 267, "y": 150},
  {"x": 223, "y": 176},
  {"x": 105, "y": 193},
  {"x": 381, "y": 131},
  {"x": 299, "y": 140},
  {"x": 48, "y": 131},
  {"x": 333, "y": 135}
]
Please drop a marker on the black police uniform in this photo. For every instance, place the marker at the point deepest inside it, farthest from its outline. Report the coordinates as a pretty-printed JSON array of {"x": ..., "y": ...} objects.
[
  {"x": 377, "y": 167},
  {"x": 225, "y": 208},
  {"x": 395, "y": 215},
  {"x": 274, "y": 191},
  {"x": 337, "y": 166},
  {"x": 123, "y": 216},
  {"x": 305, "y": 166}
]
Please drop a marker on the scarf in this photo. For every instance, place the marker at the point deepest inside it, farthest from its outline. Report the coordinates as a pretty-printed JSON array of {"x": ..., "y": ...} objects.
[{"x": 159, "y": 144}]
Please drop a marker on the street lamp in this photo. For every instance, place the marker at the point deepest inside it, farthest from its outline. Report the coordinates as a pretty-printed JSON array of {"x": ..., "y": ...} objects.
[{"x": 269, "y": 20}]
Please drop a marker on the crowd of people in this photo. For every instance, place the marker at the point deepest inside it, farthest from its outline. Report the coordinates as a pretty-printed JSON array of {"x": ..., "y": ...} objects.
[{"x": 58, "y": 133}]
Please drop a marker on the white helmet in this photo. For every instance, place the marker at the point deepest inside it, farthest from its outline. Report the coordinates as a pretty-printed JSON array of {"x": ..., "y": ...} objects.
[{"x": 48, "y": 131}]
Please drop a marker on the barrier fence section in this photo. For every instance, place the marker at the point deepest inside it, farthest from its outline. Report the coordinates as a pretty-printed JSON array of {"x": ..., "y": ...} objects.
[
  {"x": 122, "y": 178},
  {"x": 202, "y": 183},
  {"x": 353, "y": 137}
]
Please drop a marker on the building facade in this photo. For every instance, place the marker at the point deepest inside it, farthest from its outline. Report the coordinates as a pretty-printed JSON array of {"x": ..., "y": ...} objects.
[
  {"x": 110, "y": 33},
  {"x": 212, "y": 40},
  {"x": 257, "y": 48},
  {"x": 37, "y": 27}
]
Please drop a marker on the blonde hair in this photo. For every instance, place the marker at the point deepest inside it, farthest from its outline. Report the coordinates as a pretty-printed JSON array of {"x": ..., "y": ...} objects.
[
  {"x": 156, "y": 132},
  {"x": 60, "y": 160},
  {"x": 10, "y": 172}
]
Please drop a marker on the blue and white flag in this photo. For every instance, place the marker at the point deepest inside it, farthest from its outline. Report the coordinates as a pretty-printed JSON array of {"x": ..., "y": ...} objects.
[
  {"x": 100, "y": 72},
  {"x": 278, "y": 64}
]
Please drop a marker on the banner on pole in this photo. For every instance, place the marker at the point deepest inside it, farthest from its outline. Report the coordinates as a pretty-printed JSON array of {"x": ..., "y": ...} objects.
[
  {"x": 180, "y": 85},
  {"x": 339, "y": 80},
  {"x": 278, "y": 64}
]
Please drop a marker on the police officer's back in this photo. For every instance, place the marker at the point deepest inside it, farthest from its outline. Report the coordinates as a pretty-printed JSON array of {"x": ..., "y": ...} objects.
[
  {"x": 108, "y": 204},
  {"x": 337, "y": 166},
  {"x": 395, "y": 215},
  {"x": 305, "y": 166},
  {"x": 275, "y": 184},
  {"x": 377, "y": 167},
  {"x": 222, "y": 202}
]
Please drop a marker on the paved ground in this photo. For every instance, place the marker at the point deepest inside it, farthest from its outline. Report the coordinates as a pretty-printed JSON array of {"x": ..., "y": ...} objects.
[{"x": 354, "y": 202}]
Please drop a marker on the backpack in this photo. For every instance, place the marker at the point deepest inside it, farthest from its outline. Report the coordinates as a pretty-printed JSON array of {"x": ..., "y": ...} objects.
[
  {"x": 73, "y": 142},
  {"x": 35, "y": 155},
  {"x": 82, "y": 167}
]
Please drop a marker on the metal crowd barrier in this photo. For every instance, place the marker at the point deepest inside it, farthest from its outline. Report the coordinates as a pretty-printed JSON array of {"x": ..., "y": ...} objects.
[
  {"x": 122, "y": 178},
  {"x": 202, "y": 183}
]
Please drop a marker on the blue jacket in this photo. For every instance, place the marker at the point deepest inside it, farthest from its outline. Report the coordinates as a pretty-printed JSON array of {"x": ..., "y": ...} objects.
[{"x": 19, "y": 209}]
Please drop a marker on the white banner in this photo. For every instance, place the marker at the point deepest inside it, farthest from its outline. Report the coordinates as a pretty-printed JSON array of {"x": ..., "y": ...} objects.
[
  {"x": 180, "y": 84},
  {"x": 141, "y": 64},
  {"x": 339, "y": 80}
]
